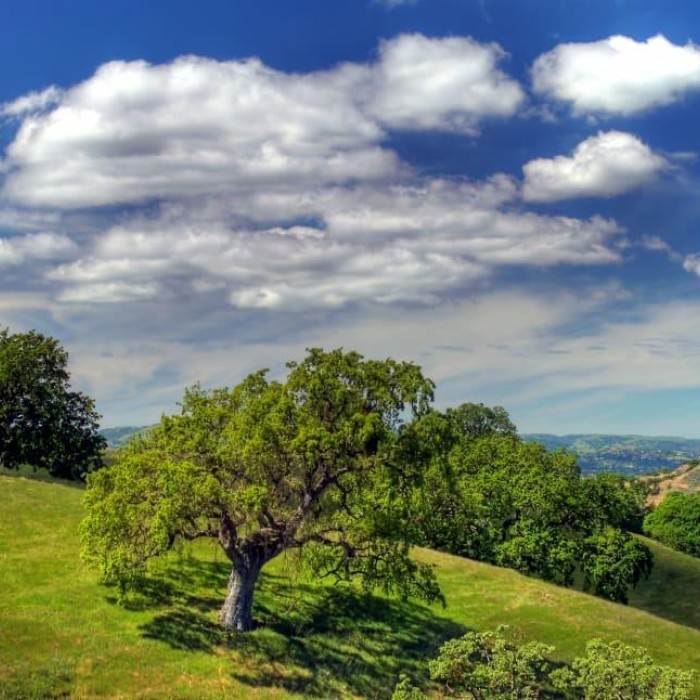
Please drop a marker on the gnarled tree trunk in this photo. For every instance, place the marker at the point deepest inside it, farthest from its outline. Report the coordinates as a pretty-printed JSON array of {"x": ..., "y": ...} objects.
[{"x": 236, "y": 614}]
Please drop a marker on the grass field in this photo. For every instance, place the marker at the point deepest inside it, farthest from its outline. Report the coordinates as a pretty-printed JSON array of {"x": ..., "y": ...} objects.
[{"x": 64, "y": 635}]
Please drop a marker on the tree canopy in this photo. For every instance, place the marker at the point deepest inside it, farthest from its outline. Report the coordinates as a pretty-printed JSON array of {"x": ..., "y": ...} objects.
[
  {"x": 326, "y": 461},
  {"x": 492, "y": 497},
  {"x": 489, "y": 666},
  {"x": 676, "y": 522},
  {"x": 43, "y": 422}
]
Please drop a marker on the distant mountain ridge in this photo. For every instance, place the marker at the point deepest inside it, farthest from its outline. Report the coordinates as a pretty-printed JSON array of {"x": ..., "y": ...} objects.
[
  {"x": 117, "y": 437},
  {"x": 627, "y": 454}
]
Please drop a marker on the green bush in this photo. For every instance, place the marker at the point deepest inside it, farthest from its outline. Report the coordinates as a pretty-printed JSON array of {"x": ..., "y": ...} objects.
[
  {"x": 485, "y": 666},
  {"x": 615, "y": 671},
  {"x": 676, "y": 522}
]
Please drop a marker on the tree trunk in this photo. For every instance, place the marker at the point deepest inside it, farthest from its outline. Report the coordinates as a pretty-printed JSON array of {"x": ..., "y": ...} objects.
[{"x": 236, "y": 615}]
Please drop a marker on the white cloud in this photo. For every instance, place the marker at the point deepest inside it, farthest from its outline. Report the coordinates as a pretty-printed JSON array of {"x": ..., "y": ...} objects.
[
  {"x": 16, "y": 250},
  {"x": 448, "y": 84},
  {"x": 109, "y": 292},
  {"x": 31, "y": 102},
  {"x": 371, "y": 246},
  {"x": 605, "y": 165},
  {"x": 618, "y": 75},
  {"x": 135, "y": 132}
]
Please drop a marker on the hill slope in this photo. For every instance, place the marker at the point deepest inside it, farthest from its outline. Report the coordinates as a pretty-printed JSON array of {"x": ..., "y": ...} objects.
[
  {"x": 117, "y": 437},
  {"x": 61, "y": 632},
  {"x": 685, "y": 479}
]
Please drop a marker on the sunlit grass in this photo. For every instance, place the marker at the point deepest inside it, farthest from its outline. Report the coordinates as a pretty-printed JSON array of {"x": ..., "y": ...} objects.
[{"x": 62, "y": 634}]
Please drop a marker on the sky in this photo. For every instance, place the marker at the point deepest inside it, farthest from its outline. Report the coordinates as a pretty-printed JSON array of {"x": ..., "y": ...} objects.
[{"x": 505, "y": 193}]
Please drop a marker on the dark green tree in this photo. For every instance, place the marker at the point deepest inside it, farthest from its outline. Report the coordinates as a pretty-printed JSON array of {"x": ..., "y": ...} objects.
[
  {"x": 501, "y": 500},
  {"x": 475, "y": 420},
  {"x": 612, "y": 562},
  {"x": 676, "y": 522},
  {"x": 612, "y": 500},
  {"x": 326, "y": 461},
  {"x": 43, "y": 422}
]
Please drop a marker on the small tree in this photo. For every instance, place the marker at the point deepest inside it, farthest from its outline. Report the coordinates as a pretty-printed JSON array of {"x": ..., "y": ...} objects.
[
  {"x": 485, "y": 666},
  {"x": 676, "y": 522},
  {"x": 325, "y": 461},
  {"x": 615, "y": 671},
  {"x": 42, "y": 422},
  {"x": 612, "y": 562},
  {"x": 470, "y": 421}
]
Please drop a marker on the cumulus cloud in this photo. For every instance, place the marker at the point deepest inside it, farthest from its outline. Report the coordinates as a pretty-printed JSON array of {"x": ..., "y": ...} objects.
[
  {"x": 448, "y": 84},
  {"x": 16, "y": 250},
  {"x": 136, "y": 131},
  {"x": 605, "y": 165},
  {"x": 410, "y": 244},
  {"x": 618, "y": 75}
]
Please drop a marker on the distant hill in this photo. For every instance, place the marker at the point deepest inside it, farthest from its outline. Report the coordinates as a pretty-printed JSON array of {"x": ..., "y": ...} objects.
[
  {"x": 626, "y": 454},
  {"x": 117, "y": 437}
]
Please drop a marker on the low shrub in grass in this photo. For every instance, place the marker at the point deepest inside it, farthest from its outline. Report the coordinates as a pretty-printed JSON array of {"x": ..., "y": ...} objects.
[{"x": 486, "y": 666}]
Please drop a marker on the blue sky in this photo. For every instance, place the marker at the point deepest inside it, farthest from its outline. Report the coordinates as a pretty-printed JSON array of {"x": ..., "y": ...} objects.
[{"x": 505, "y": 193}]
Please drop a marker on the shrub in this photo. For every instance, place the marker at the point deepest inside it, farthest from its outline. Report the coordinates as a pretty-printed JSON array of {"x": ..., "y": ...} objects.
[{"x": 676, "y": 522}]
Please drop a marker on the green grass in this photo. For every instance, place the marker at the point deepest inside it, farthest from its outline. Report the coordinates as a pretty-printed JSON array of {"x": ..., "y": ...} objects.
[{"x": 64, "y": 635}]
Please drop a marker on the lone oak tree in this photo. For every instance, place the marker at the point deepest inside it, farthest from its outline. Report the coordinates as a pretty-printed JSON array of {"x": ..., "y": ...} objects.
[{"x": 325, "y": 461}]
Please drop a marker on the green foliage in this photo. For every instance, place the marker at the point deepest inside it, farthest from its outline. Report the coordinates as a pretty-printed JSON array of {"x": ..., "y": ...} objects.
[
  {"x": 511, "y": 503},
  {"x": 615, "y": 501},
  {"x": 613, "y": 561},
  {"x": 470, "y": 421},
  {"x": 676, "y": 522},
  {"x": 616, "y": 671},
  {"x": 405, "y": 690},
  {"x": 326, "y": 461},
  {"x": 42, "y": 422},
  {"x": 485, "y": 666}
]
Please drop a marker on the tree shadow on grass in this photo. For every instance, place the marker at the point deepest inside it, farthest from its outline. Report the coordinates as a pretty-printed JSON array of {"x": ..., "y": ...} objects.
[
  {"x": 331, "y": 641},
  {"x": 315, "y": 640}
]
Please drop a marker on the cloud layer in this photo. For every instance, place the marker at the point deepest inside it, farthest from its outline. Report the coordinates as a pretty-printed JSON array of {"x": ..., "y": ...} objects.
[
  {"x": 135, "y": 131},
  {"x": 201, "y": 218},
  {"x": 618, "y": 75},
  {"x": 605, "y": 165},
  {"x": 403, "y": 243}
]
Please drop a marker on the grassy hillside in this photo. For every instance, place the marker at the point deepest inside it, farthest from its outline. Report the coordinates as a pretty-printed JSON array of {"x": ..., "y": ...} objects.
[{"x": 63, "y": 635}]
